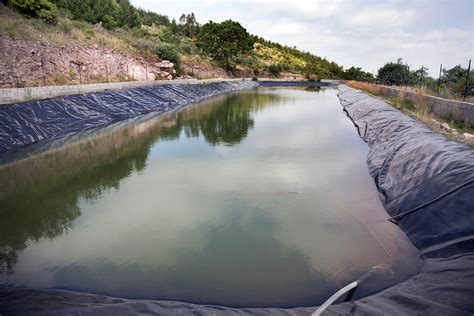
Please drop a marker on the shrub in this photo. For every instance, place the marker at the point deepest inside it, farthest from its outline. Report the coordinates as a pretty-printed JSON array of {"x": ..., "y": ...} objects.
[
  {"x": 168, "y": 51},
  {"x": 187, "y": 47},
  {"x": 41, "y": 9},
  {"x": 88, "y": 32},
  {"x": 11, "y": 31},
  {"x": 274, "y": 70},
  {"x": 65, "y": 26},
  {"x": 421, "y": 104}
]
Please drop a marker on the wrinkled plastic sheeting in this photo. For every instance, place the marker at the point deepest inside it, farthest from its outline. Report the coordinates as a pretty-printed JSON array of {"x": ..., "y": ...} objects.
[
  {"x": 26, "y": 123},
  {"x": 441, "y": 288},
  {"x": 415, "y": 168}
]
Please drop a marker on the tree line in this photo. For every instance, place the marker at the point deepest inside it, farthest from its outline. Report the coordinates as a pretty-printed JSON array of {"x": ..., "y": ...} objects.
[{"x": 227, "y": 43}]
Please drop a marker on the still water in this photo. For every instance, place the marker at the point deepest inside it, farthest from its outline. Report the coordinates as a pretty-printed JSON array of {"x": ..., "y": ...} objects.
[{"x": 259, "y": 198}]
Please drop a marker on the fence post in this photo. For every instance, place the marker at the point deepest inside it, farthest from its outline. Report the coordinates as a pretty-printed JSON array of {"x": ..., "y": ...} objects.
[
  {"x": 466, "y": 86},
  {"x": 439, "y": 79},
  {"x": 42, "y": 70},
  {"x": 128, "y": 76},
  {"x": 146, "y": 72},
  {"x": 80, "y": 73},
  {"x": 106, "y": 72}
]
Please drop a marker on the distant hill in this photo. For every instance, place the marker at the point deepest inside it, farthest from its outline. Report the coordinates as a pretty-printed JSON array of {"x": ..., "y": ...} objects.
[{"x": 123, "y": 34}]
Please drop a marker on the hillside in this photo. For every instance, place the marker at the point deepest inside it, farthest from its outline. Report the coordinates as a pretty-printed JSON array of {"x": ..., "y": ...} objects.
[{"x": 71, "y": 48}]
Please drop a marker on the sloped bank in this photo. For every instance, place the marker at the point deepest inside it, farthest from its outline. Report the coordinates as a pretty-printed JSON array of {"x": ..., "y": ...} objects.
[
  {"x": 27, "y": 123},
  {"x": 425, "y": 181}
]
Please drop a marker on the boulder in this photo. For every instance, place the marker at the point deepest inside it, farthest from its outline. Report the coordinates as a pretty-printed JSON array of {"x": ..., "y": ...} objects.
[
  {"x": 446, "y": 127},
  {"x": 467, "y": 136}
]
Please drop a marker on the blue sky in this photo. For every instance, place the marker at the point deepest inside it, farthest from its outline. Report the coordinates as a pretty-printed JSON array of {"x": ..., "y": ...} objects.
[{"x": 352, "y": 33}]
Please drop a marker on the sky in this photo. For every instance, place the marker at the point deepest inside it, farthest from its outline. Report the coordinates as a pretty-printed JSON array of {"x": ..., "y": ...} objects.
[{"x": 361, "y": 33}]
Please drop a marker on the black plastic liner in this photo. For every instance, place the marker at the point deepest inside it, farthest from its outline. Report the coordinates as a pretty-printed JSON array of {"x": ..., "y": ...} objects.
[
  {"x": 278, "y": 83},
  {"x": 426, "y": 183},
  {"x": 27, "y": 123}
]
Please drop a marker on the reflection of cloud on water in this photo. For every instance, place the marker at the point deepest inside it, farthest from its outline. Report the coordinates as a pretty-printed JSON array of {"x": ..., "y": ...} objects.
[{"x": 178, "y": 214}]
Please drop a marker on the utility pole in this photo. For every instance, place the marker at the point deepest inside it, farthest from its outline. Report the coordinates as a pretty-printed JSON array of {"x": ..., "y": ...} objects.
[
  {"x": 439, "y": 79},
  {"x": 421, "y": 77},
  {"x": 466, "y": 87}
]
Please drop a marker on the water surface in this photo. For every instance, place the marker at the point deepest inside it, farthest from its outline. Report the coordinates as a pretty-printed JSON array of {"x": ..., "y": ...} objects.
[{"x": 259, "y": 198}]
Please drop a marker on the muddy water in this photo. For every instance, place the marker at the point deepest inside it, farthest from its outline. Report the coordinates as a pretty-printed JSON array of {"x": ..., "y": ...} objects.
[{"x": 260, "y": 198}]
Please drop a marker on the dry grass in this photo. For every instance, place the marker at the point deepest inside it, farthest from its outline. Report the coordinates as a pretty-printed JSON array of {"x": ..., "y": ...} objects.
[
  {"x": 444, "y": 93},
  {"x": 418, "y": 107},
  {"x": 19, "y": 27}
]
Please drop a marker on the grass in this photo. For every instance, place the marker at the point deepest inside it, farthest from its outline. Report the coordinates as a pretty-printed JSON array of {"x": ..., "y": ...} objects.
[
  {"x": 418, "y": 107},
  {"x": 444, "y": 92},
  {"x": 271, "y": 56},
  {"x": 143, "y": 42}
]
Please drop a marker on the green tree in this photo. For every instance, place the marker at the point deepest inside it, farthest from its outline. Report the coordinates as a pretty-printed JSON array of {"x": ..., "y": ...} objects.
[
  {"x": 274, "y": 70},
  {"x": 41, "y": 9},
  {"x": 149, "y": 18},
  {"x": 356, "y": 73},
  {"x": 224, "y": 41},
  {"x": 169, "y": 52},
  {"x": 128, "y": 15},
  {"x": 396, "y": 73},
  {"x": 455, "y": 78}
]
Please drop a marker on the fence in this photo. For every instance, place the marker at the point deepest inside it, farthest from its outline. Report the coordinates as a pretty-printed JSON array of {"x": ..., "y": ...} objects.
[
  {"x": 436, "y": 87},
  {"x": 457, "y": 110}
]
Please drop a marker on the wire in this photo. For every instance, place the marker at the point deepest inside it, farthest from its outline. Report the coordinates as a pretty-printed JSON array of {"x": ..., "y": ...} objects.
[{"x": 394, "y": 219}]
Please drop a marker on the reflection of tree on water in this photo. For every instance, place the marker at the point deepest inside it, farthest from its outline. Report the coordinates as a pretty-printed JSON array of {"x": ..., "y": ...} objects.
[
  {"x": 226, "y": 122},
  {"x": 48, "y": 210},
  {"x": 39, "y": 196}
]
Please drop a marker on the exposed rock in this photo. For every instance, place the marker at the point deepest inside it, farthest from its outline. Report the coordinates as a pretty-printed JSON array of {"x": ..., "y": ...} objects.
[
  {"x": 446, "y": 127},
  {"x": 27, "y": 61},
  {"x": 467, "y": 136}
]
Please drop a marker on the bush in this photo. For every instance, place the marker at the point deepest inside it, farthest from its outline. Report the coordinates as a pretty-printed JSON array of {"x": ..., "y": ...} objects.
[
  {"x": 11, "y": 31},
  {"x": 65, "y": 26},
  {"x": 187, "y": 47},
  {"x": 169, "y": 52},
  {"x": 88, "y": 32},
  {"x": 41, "y": 9},
  {"x": 274, "y": 70}
]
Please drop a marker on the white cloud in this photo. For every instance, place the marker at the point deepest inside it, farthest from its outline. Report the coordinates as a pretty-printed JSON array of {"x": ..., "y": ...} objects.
[
  {"x": 382, "y": 18},
  {"x": 361, "y": 33}
]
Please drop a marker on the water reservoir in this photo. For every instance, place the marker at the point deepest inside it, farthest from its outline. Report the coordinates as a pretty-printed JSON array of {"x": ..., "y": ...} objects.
[{"x": 257, "y": 198}]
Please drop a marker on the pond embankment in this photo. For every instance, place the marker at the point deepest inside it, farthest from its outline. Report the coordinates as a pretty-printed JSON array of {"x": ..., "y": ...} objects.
[
  {"x": 426, "y": 184},
  {"x": 27, "y": 123}
]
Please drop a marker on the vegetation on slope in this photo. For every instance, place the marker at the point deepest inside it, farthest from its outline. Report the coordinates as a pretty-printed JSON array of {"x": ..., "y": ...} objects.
[
  {"x": 119, "y": 25},
  {"x": 452, "y": 84},
  {"x": 418, "y": 107}
]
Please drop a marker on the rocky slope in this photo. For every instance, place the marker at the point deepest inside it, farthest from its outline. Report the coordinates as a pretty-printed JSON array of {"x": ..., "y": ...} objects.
[{"x": 33, "y": 63}]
